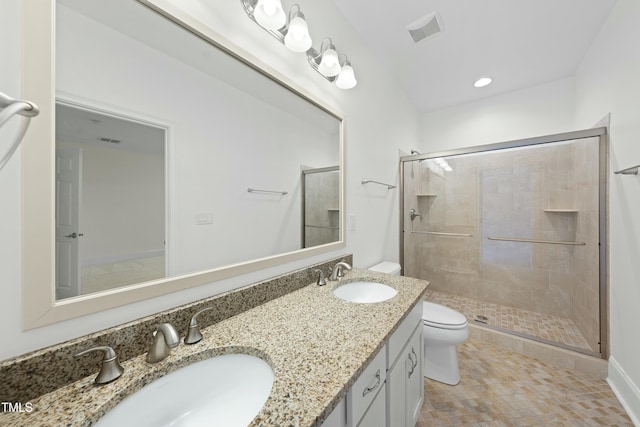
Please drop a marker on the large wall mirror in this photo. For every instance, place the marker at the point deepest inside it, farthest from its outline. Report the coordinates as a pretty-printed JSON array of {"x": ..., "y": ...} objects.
[{"x": 171, "y": 159}]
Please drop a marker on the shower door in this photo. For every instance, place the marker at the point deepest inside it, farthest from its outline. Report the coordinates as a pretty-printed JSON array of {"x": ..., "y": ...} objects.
[
  {"x": 320, "y": 206},
  {"x": 509, "y": 234}
]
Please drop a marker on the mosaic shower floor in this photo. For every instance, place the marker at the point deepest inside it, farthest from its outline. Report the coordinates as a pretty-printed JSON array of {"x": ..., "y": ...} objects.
[
  {"x": 543, "y": 326},
  {"x": 501, "y": 388}
]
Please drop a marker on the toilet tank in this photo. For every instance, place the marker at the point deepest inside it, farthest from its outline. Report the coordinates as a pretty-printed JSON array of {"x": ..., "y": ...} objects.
[{"x": 388, "y": 267}]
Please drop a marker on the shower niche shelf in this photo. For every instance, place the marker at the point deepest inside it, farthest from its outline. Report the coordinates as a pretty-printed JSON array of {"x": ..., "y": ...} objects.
[
  {"x": 561, "y": 210},
  {"x": 426, "y": 195}
]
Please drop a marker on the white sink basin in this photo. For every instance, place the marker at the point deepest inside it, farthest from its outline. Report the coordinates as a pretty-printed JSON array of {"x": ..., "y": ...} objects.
[
  {"x": 227, "y": 390},
  {"x": 365, "y": 292}
]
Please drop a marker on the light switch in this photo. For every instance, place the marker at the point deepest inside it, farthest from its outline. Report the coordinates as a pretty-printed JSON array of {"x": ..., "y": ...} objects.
[{"x": 352, "y": 222}]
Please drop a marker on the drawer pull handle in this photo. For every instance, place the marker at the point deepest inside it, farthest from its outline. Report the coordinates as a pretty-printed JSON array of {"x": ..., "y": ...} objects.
[
  {"x": 413, "y": 358},
  {"x": 375, "y": 386},
  {"x": 412, "y": 365}
]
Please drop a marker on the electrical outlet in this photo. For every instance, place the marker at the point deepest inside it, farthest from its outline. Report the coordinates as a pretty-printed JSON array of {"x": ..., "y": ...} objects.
[{"x": 204, "y": 218}]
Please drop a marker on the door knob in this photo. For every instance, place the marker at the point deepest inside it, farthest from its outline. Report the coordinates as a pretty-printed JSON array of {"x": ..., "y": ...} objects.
[{"x": 74, "y": 235}]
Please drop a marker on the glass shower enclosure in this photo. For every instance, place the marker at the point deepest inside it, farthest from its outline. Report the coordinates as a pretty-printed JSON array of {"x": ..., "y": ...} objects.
[{"x": 513, "y": 235}]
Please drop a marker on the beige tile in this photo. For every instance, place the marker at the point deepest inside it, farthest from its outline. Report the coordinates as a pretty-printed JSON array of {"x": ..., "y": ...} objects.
[{"x": 504, "y": 388}]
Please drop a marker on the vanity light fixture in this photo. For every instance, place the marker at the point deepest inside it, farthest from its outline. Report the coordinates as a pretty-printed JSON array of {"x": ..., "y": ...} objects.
[
  {"x": 347, "y": 78},
  {"x": 482, "y": 82},
  {"x": 293, "y": 32},
  {"x": 297, "y": 38},
  {"x": 269, "y": 14},
  {"x": 333, "y": 67},
  {"x": 329, "y": 65}
]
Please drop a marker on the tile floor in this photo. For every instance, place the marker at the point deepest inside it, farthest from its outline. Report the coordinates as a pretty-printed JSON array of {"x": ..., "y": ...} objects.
[
  {"x": 503, "y": 388},
  {"x": 101, "y": 277},
  {"x": 552, "y": 328}
]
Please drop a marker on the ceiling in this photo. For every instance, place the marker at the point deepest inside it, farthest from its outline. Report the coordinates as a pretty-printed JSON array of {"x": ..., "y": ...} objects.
[
  {"x": 85, "y": 126},
  {"x": 518, "y": 43}
]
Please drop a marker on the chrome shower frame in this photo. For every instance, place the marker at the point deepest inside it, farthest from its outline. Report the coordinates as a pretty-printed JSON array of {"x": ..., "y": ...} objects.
[{"x": 602, "y": 134}]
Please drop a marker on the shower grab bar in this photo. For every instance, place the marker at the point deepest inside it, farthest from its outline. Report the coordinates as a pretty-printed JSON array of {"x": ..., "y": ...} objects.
[
  {"x": 437, "y": 233},
  {"x": 367, "y": 180},
  {"x": 255, "y": 190},
  {"x": 633, "y": 170},
  {"x": 551, "y": 242}
]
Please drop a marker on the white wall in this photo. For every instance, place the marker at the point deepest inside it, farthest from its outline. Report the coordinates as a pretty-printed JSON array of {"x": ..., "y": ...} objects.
[
  {"x": 379, "y": 121},
  {"x": 539, "y": 110},
  {"x": 607, "y": 82},
  {"x": 10, "y": 181}
]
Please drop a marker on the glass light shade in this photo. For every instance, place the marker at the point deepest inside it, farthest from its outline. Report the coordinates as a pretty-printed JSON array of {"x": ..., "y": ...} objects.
[
  {"x": 346, "y": 79},
  {"x": 269, "y": 14},
  {"x": 298, "y": 38},
  {"x": 329, "y": 64}
]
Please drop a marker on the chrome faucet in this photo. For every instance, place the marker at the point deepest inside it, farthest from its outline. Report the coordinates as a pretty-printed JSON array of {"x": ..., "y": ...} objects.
[
  {"x": 338, "y": 270},
  {"x": 193, "y": 334},
  {"x": 110, "y": 368},
  {"x": 164, "y": 339}
]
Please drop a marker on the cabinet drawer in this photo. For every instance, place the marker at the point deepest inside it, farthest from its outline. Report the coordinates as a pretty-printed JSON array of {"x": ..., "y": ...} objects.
[
  {"x": 403, "y": 333},
  {"x": 366, "y": 388},
  {"x": 377, "y": 413}
]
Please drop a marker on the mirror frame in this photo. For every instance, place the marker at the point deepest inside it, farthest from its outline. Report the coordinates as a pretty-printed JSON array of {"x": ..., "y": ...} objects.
[{"x": 39, "y": 306}]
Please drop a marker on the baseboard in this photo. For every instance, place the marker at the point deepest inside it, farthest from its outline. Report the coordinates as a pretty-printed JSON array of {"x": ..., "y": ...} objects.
[{"x": 625, "y": 390}]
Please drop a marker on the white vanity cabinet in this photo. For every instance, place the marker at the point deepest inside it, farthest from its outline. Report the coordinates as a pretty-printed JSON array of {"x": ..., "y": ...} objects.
[
  {"x": 390, "y": 391},
  {"x": 405, "y": 383},
  {"x": 364, "y": 401}
]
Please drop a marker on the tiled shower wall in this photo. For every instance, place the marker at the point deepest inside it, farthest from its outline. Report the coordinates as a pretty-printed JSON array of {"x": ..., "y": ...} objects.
[
  {"x": 545, "y": 192},
  {"x": 321, "y": 213}
]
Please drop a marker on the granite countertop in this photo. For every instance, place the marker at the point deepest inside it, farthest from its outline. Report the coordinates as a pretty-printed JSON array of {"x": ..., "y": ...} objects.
[{"x": 316, "y": 344}]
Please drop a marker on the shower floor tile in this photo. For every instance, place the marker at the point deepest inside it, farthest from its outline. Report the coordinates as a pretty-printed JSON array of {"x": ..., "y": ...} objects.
[
  {"x": 544, "y": 326},
  {"x": 500, "y": 387}
]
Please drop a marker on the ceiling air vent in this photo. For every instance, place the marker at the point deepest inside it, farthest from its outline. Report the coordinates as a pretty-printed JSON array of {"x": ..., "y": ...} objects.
[
  {"x": 425, "y": 27},
  {"x": 113, "y": 141}
]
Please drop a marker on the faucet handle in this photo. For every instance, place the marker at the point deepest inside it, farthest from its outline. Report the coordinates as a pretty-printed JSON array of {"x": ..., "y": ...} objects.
[
  {"x": 193, "y": 334},
  {"x": 110, "y": 369},
  {"x": 320, "y": 281}
]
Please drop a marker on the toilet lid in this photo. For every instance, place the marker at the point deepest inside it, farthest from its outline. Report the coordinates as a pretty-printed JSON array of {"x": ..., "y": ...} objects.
[{"x": 439, "y": 316}]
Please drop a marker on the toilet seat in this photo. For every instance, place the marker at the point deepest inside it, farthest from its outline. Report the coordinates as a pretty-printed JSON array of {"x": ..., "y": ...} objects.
[{"x": 439, "y": 316}]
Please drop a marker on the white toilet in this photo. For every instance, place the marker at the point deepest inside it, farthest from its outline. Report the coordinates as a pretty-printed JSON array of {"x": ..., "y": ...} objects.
[{"x": 444, "y": 328}]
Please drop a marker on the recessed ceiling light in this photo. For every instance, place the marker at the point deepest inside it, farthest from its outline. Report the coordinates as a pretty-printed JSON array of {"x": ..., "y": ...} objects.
[{"x": 484, "y": 81}]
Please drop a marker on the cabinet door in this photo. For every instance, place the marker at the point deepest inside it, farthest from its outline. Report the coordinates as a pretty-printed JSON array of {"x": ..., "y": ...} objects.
[
  {"x": 376, "y": 414},
  {"x": 414, "y": 381},
  {"x": 405, "y": 384},
  {"x": 396, "y": 409}
]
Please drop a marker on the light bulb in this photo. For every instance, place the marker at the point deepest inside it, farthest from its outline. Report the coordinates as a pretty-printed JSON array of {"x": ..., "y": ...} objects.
[
  {"x": 346, "y": 79},
  {"x": 329, "y": 64},
  {"x": 269, "y": 14},
  {"x": 297, "y": 38},
  {"x": 269, "y": 8}
]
